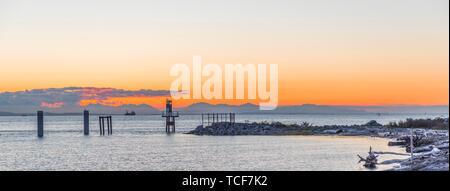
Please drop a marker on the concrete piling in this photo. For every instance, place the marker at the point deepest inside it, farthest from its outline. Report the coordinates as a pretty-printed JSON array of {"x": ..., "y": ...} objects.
[
  {"x": 40, "y": 124},
  {"x": 86, "y": 122}
]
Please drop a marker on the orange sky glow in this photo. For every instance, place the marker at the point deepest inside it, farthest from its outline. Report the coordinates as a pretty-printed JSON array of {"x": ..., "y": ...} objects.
[{"x": 372, "y": 53}]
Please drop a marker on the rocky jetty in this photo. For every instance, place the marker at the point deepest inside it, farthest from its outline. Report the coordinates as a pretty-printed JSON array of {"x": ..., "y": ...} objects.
[{"x": 277, "y": 128}]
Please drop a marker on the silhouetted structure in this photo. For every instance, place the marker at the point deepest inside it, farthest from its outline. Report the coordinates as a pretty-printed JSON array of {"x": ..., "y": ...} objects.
[
  {"x": 211, "y": 118},
  {"x": 101, "y": 120},
  {"x": 40, "y": 124},
  {"x": 130, "y": 113},
  {"x": 170, "y": 116},
  {"x": 86, "y": 122}
]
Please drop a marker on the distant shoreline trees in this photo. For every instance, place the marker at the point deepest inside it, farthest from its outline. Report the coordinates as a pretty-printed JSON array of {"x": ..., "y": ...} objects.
[{"x": 436, "y": 123}]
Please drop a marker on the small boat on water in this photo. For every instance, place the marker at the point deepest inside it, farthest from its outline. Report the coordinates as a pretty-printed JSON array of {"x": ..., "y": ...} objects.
[{"x": 130, "y": 113}]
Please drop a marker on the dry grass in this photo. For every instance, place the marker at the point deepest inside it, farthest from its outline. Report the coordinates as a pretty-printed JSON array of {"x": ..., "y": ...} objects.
[{"x": 437, "y": 123}]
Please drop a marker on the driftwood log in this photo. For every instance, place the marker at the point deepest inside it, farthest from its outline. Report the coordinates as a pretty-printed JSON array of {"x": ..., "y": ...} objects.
[{"x": 370, "y": 161}]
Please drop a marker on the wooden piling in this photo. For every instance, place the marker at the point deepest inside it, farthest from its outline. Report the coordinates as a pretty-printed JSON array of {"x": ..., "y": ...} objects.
[
  {"x": 109, "y": 125},
  {"x": 103, "y": 126},
  {"x": 86, "y": 122},
  {"x": 101, "y": 122},
  {"x": 212, "y": 118},
  {"x": 40, "y": 124}
]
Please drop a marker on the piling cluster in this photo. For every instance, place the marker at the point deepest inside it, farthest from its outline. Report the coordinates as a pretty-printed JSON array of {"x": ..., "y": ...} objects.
[
  {"x": 101, "y": 121},
  {"x": 40, "y": 124}
]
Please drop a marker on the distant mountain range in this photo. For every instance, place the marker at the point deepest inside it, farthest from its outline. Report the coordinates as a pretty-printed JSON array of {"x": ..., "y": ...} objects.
[
  {"x": 250, "y": 108},
  {"x": 7, "y": 114},
  {"x": 223, "y": 108},
  {"x": 60, "y": 101},
  {"x": 314, "y": 109},
  {"x": 404, "y": 109},
  {"x": 68, "y": 99}
]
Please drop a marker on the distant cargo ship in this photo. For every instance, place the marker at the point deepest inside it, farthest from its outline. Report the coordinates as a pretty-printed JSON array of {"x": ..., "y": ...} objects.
[{"x": 130, "y": 113}]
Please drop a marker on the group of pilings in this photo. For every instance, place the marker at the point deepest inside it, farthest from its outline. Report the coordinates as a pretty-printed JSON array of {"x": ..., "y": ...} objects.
[
  {"x": 212, "y": 118},
  {"x": 207, "y": 119},
  {"x": 40, "y": 124},
  {"x": 101, "y": 121}
]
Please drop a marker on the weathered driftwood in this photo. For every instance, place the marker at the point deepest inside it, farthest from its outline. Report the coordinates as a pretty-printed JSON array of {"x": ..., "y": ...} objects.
[
  {"x": 370, "y": 161},
  {"x": 390, "y": 153},
  {"x": 418, "y": 140},
  {"x": 397, "y": 143}
]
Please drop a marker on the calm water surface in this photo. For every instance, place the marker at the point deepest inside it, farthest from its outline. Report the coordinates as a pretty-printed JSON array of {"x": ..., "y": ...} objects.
[{"x": 139, "y": 144}]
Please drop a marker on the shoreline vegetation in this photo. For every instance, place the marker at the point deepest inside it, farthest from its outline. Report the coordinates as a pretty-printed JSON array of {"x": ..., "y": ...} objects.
[{"x": 430, "y": 138}]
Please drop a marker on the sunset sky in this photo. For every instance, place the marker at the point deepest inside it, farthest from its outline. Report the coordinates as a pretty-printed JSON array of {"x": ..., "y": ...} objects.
[{"x": 348, "y": 52}]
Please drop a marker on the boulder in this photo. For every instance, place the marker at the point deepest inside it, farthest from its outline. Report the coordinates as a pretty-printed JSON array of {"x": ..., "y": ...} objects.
[
  {"x": 333, "y": 131},
  {"x": 373, "y": 123}
]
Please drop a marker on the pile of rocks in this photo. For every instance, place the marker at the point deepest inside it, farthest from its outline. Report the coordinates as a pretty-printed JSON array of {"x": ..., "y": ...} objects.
[
  {"x": 224, "y": 128},
  {"x": 276, "y": 128}
]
